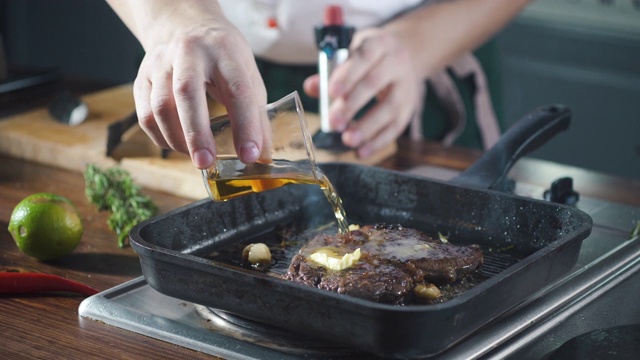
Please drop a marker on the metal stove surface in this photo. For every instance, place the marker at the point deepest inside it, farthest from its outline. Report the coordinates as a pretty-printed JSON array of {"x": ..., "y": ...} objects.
[
  {"x": 600, "y": 291},
  {"x": 135, "y": 306}
]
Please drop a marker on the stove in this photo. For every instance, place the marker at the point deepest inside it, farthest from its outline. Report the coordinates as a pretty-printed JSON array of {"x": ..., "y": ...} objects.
[{"x": 597, "y": 293}]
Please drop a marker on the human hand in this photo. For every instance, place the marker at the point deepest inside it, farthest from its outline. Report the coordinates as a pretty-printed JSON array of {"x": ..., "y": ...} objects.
[
  {"x": 379, "y": 66},
  {"x": 187, "y": 57}
]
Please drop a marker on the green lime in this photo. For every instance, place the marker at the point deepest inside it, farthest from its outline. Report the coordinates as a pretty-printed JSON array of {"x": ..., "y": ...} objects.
[{"x": 46, "y": 226}]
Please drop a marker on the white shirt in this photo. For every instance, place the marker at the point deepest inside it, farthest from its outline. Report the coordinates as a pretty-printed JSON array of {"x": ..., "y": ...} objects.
[{"x": 282, "y": 31}]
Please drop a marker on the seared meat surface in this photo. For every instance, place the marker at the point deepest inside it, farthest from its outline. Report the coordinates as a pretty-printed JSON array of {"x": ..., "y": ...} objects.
[{"x": 395, "y": 266}]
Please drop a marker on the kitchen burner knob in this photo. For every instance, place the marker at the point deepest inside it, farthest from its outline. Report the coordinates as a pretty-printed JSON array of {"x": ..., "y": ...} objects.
[{"x": 562, "y": 192}]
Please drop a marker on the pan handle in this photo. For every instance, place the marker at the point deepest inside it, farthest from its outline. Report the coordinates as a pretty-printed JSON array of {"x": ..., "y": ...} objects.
[{"x": 523, "y": 137}]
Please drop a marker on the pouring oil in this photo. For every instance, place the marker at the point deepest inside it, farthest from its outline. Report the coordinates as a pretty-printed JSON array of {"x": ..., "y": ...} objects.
[{"x": 232, "y": 178}]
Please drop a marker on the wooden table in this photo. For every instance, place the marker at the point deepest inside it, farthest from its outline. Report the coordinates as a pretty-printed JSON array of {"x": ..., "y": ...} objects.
[{"x": 48, "y": 326}]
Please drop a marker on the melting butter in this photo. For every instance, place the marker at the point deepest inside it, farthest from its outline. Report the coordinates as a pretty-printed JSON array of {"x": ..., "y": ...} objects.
[{"x": 329, "y": 259}]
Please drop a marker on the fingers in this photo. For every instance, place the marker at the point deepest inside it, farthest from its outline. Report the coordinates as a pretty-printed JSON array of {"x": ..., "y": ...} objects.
[
  {"x": 192, "y": 51},
  {"x": 311, "y": 86},
  {"x": 189, "y": 92},
  {"x": 141, "y": 94},
  {"x": 380, "y": 125},
  {"x": 171, "y": 97},
  {"x": 242, "y": 107},
  {"x": 378, "y": 68},
  {"x": 163, "y": 107},
  {"x": 244, "y": 96},
  {"x": 354, "y": 83},
  {"x": 172, "y": 108}
]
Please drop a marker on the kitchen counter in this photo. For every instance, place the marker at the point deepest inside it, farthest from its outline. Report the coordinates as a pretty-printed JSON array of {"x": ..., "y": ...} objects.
[{"x": 48, "y": 325}]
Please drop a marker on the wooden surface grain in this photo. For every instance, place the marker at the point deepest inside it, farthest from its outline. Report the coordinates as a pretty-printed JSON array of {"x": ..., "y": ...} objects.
[{"x": 48, "y": 325}]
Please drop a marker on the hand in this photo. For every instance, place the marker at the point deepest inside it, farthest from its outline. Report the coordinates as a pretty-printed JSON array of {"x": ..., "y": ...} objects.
[
  {"x": 380, "y": 67},
  {"x": 186, "y": 58}
]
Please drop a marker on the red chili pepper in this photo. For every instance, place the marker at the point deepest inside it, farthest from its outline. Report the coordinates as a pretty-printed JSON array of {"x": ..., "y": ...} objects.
[{"x": 30, "y": 283}]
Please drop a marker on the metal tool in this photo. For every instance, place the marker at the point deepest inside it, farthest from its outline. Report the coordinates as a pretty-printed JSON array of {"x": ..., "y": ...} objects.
[{"x": 333, "y": 38}]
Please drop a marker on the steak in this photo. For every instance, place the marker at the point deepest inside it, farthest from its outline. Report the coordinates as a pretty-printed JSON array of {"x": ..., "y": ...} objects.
[{"x": 397, "y": 265}]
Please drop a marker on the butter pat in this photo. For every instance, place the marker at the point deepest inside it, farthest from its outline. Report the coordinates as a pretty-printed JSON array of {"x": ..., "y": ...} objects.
[{"x": 328, "y": 259}]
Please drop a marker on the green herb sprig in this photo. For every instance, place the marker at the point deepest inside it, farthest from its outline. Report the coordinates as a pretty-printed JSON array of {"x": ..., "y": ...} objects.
[{"x": 113, "y": 190}]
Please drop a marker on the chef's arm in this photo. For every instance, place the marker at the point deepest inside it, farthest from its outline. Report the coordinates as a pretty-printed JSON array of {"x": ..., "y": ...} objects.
[
  {"x": 437, "y": 34},
  {"x": 391, "y": 62},
  {"x": 156, "y": 20},
  {"x": 192, "y": 50}
]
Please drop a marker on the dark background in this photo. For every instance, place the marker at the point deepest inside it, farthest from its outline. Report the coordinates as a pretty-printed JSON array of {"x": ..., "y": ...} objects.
[{"x": 82, "y": 38}]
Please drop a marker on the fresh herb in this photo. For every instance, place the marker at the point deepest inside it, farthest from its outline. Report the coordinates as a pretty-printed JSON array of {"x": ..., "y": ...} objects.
[{"x": 113, "y": 190}]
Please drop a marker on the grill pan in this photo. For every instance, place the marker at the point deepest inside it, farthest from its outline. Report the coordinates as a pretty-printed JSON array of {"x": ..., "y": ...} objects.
[{"x": 544, "y": 239}]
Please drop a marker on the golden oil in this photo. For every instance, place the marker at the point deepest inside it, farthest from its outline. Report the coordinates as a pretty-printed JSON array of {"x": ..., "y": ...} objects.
[{"x": 231, "y": 179}]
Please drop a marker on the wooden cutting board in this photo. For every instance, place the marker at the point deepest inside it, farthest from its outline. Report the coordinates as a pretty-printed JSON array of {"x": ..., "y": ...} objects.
[{"x": 36, "y": 136}]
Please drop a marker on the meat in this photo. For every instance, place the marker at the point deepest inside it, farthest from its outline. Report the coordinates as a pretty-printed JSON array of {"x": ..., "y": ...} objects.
[{"x": 397, "y": 265}]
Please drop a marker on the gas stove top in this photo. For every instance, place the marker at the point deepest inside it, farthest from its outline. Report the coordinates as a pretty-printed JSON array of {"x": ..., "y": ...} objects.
[{"x": 594, "y": 295}]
